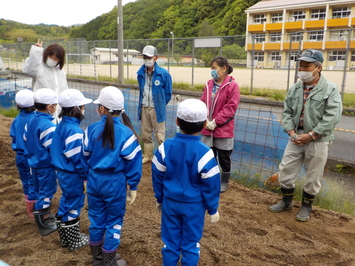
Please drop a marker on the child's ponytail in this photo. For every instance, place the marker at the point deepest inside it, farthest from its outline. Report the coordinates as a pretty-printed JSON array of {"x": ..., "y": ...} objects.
[{"x": 108, "y": 134}]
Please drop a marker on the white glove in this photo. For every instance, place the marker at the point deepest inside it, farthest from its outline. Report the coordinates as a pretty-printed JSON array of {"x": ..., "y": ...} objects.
[
  {"x": 214, "y": 218},
  {"x": 158, "y": 206},
  {"x": 132, "y": 194},
  {"x": 211, "y": 125}
]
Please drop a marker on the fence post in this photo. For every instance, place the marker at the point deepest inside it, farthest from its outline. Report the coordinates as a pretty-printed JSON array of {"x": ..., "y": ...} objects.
[
  {"x": 252, "y": 63},
  {"x": 345, "y": 65}
]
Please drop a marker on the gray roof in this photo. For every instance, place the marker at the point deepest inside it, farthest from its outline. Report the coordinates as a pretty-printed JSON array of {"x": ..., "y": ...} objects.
[{"x": 267, "y": 5}]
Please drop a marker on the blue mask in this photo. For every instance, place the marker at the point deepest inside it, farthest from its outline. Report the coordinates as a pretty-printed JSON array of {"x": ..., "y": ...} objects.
[{"x": 214, "y": 74}]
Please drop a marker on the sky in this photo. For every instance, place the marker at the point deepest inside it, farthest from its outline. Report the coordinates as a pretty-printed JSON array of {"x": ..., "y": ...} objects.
[{"x": 60, "y": 12}]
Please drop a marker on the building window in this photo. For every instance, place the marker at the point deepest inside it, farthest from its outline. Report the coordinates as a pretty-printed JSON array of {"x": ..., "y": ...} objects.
[
  {"x": 275, "y": 37},
  {"x": 353, "y": 55},
  {"x": 259, "y": 19},
  {"x": 276, "y": 17},
  {"x": 296, "y": 37},
  {"x": 337, "y": 55},
  {"x": 293, "y": 56},
  {"x": 298, "y": 15},
  {"x": 341, "y": 12},
  {"x": 318, "y": 14},
  {"x": 275, "y": 56},
  {"x": 259, "y": 37},
  {"x": 316, "y": 36},
  {"x": 338, "y": 35},
  {"x": 259, "y": 56}
]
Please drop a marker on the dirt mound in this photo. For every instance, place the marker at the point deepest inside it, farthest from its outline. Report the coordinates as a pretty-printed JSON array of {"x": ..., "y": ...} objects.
[{"x": 247, "y": 233}]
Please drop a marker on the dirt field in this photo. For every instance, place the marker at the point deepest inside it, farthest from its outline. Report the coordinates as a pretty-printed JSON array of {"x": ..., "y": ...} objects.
[{"x": 247, "y": 233}]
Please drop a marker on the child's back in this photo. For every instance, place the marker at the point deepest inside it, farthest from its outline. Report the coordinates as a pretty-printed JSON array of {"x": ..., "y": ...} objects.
[{"x": 186, "y": 183}]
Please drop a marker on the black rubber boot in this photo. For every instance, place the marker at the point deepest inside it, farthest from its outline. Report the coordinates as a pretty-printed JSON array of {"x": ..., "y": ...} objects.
[
  {"x": 96, "y": 252},
  {"x": 286, "y": 203},
  {"x": 305, "y": 212},
  {"x": 62, "y": 236},
  {"x": 111, "y": 259},
  {"x": 72, "y": 232},
  {"x": 224, "y": 181},
  {"x": 44, "y": 222}
]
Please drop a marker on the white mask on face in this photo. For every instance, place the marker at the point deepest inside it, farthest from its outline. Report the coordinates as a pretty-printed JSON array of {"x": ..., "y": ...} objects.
[
  {"x": 306, "y": 76},
  {"x": 51, "y": 63},
  {"x": 149, "y": 62}
]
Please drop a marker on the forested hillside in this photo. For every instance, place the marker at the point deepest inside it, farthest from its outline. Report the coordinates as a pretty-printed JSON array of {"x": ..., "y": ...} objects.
[
  {"x": 145, "y": 19},
  {"x": 11, "y": 31}
]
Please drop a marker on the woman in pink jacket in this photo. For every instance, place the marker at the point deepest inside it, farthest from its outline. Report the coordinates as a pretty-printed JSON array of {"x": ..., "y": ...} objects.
[{"x": 221, "y": 95}]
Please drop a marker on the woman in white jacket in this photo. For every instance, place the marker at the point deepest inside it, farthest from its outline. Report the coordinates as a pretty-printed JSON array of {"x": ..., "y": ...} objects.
[{"x": 46, "y": 67}]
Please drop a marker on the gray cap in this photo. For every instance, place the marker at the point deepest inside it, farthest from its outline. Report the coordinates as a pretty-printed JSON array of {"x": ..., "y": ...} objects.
[{"x": 311, "y": 55}]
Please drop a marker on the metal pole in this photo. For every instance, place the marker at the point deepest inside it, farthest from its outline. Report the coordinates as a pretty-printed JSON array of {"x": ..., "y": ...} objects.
[
  {"x": 345, "y": 65},
  {"x": 127, "y": 61},
  {"x": 289, "y": 63},
  {"x": 109, "y": 50},
  {"x": 169, "y": 55},
  {"x": 298, "y": 62},
  {"x": 193, "y": 62},
  {"x": 172, "y": 48},
  {"x": 252, "y": 63},
  {"x": 120, "y": 42}
]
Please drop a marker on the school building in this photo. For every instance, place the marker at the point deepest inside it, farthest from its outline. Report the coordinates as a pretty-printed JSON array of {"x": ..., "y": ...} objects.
[{"x": 279, "y": 30}]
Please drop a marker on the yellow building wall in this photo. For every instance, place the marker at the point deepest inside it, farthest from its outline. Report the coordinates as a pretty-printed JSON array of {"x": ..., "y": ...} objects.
[
  {"x": 338, "y": 22},
  {"x": 297, "y": 25},
  {"x": 256, "y": 28},
  {"x": 272, "y": 46},
  {"x": 257, "y": 46},
  {"x": 295, "y": 45},
  {"x": 312, "y": 24},
  {"x": 312, "y": 45},
  {"x": 274, "y": 26}
]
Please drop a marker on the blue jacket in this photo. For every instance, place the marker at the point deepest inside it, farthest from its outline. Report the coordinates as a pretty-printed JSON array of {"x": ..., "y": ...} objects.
[
  {"x": 66, "y": 150},
  {"x": 185, "y": 170},
  {"x": 125, "y": 158},
  {"x": 161, "y": 90},
  {"x": 17, "y": 129},
  {"x": 38, "y": 136}
]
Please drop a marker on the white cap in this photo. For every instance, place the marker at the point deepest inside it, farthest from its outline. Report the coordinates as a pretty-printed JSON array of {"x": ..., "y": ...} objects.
[
  {"x": 111, "y": 97},
  {"x": 24, "y": 98},
  {"x": 71, "y": 98},
  {"x": 192, "y": 110},
  {"x": 45, "y": 96},
  {"x": 149, "y": 50}
]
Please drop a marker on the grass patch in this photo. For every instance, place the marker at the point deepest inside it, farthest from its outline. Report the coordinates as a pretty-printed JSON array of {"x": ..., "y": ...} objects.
[
  {"x": 332, "y": 196},
  {"x": 11, "y": 112}
]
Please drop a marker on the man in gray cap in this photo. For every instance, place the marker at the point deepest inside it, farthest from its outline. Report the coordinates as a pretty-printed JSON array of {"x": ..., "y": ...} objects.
[
  {"x": 312, "y": 108},
  {"x": 155, "y": 89}
]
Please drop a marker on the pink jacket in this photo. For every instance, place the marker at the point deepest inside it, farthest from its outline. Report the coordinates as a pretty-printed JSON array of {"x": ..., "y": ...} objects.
[{"x": 224, "y": 107}]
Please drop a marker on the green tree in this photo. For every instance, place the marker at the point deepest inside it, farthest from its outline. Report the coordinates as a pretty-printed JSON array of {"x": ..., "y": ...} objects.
[{"x": 234, "y": 51}]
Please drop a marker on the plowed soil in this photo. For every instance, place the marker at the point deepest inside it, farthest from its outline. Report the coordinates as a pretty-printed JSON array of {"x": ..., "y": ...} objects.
[{"x": 247, "y": 233}]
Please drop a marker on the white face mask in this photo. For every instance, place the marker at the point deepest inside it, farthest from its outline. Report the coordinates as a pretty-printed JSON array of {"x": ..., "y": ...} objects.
[
  {"x": 306, "y": 76},
  {"x": 149, "y": 62},
  {"x": 82, "y": 112},
  {"x": 51, "y": 63}
]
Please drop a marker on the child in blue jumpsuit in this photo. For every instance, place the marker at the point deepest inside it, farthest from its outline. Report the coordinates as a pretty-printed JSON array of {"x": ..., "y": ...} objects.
[
  {"x": 114, "y": 157},
  {"x": 38, "y": 137},
  {"x": 25, "y": 104},
  {"x": 186, "y": 183},
  {"x": 67, "y": 158}
]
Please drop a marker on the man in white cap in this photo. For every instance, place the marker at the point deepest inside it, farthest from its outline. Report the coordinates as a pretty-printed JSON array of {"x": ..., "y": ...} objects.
[
  {"x": 38, "y": 137},
  {"x": 155, "y": 89},
  {"x": 186, "y": 183},
  {"x": 312, "y": 109}
]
